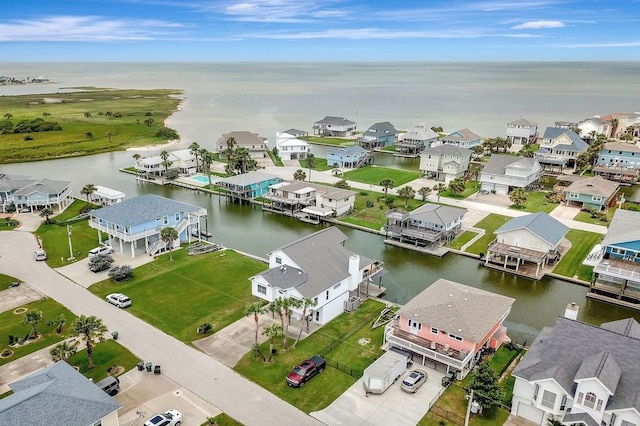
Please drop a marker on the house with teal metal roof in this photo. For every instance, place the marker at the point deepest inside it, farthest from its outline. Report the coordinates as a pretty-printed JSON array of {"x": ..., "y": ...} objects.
[{"x": 247, "y": 186}]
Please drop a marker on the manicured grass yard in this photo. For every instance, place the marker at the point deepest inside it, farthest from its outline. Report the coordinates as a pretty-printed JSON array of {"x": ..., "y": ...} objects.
[
  {"x": 603, "y": 219},
  {"x": 8, "y": 224},
  {"x": 177, "y": 296},
  {"x": 471, "y": 188},
  {"x": 373, "y": 175},
  {"x": 5, "y": 280},
  {"x": 223, "y": 419},
  {"x": 571, "y": 263},
  {"x": 373, "y": 217},
  {"x": 321, "y": 166},
  {"x": 462, "y": 239},
  {"x": 100, "y": 131},
  {"x": 55, "y": 240},
  {"x": 326, "y": 387},
  {"x": 12, "y": 325},
  {"x": 536, "y": 202},
  {"x": 105, "y": 355},
  {"x": 328, "y": 141},
  {"x": 489, "y": 224}
]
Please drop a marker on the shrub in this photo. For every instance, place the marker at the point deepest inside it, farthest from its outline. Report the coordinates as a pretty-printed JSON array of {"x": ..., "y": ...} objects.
[
  {"x": 100, "y": 262},
  {"x": 28, "y": 138},
  {"x": 369, "y": 203},
  {"x": 12, "y": 339},
  {"x": 173, "y": 174},
  {"x": 87, "y": 209},
  {"x": 147, "y": 114},
  {"x": 205, "y": 328},
  {"x": 167, "y": 133},
  {"x": 121, "y": 273}
]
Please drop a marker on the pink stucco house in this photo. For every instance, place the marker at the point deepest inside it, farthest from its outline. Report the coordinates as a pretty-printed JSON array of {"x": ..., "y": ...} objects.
[{"x": 448, "y": 325}]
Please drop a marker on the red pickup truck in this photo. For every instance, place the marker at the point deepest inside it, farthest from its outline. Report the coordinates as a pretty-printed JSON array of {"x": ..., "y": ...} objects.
[{"x": 305, "y": 371}]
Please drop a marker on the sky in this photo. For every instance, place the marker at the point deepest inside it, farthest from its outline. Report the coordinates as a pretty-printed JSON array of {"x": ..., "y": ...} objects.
[{"x": 314, "y": 30}]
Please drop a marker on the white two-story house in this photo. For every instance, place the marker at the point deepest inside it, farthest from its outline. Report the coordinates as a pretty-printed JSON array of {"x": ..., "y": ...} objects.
[
  {"x": 581, "y": 374},
  {"x": 502, "y": 173},
  {"x": 290, "y": 147},
  {"x": 522, "y": 132},
  {"x": 317, "y": 267},
  {"x": 445, "y": 162}
]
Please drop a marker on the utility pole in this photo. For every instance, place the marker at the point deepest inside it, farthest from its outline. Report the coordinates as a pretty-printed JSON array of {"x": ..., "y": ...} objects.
[
  {"x": 466, "y": 418},
  {"x": 71, "y": 258}
]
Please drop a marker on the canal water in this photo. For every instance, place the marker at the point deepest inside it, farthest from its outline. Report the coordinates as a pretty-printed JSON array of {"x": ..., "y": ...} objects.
[{"x": 249, "y": 229}]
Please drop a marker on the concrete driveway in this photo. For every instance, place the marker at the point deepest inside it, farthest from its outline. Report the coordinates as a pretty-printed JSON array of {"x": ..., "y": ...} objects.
[
  {"x": 393, "y": 407},
  {"x": 193, "y": 370}
]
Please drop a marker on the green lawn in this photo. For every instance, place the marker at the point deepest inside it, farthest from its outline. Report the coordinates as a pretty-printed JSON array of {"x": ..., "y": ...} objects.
[
  {"x": 571, "y": 263},
  {"x": 8, "y": 224},
  {"x": 177, "y": 296},
  {"x": 275, "y": 158},
  {"x": 12, "y": 325},
  {"x": 536, "y": 202},
  {"x": 489, "y": 224},
  {"x": 5, "y": 280},
  {"x": 599, "y": 219},
  {"x": 326, "y": 387},
  {"x": 371, "y": 215},
  {"x": 328, "y": 141},
  {"x": 462, "y": 239},
  {"x": 471, "y": 188},
  {"x": 134, "y": 107},
  {"x": 223, "y": 419},
  {"x": 373, "y": 175},
  {"x": 390, "y": 148},
  {"x": 105, "y": 355},
  {"x": 55, "y": 239},
  {"x": 321, "y": 166}
]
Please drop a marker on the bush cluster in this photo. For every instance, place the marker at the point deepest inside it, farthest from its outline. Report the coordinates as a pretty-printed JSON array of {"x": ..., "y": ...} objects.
[
  {"x": 121, "y": 273},
  {"x": 36, "y": 125}
]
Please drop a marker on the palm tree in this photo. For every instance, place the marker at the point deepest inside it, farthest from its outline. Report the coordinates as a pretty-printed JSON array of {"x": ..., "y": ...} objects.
[
  {"x": 299, "y": 175},
  {"x": 194, "y": 149},
  {"x": 149, "y": 121},
  {"x": 406, "y": 193},
  {"x": 440, "y": 188},
  {"x": 58, "y": 323},
  {"x": 207, "y": 159},
  {"x": 254, "y": 309},
  {"x": 169, "y": 235},
  {"x": 424, "y": 192},
  {"x": 518, "y": 197},
  {"x": 272, "y": 331},
  {"x": 63, "y": 350},
  {"x": 33, "y": 318},
  {"x": 229, "y": 152},
  {"x": 46, "y": 212},
  {"x": 89, "y": 329},
  {"x": 164, "y": 156},
  {"x": 478, "y": 151},
  {"x": 88, "y": 190},
  {"x": 311, "y": 163},
  {"x": 278, "y": 308},
  {"x": 474, "y": 170},
  {"x": 304, "y": 304},
  {"x": 109, "y": 136},
  {"x": 457, "y": 186},
  {"x": 386, "y": 184}
]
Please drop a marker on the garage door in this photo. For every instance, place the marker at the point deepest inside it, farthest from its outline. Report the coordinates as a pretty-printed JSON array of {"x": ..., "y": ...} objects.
[
  {"x": 530, "y": 413},
  {"x": 502, "y": 189},
  {"x": 487, "y": 186}
]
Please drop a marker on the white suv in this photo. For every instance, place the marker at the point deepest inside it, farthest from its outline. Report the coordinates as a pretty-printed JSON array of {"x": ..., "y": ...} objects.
[
  {"x": 119, "y": 299},
  {"x": 100, "y": 250},
  {"x": 168, "y": 418}
]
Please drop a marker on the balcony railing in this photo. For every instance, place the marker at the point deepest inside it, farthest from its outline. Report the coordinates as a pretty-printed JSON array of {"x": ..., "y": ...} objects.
[{"x": 616, "y": 270}]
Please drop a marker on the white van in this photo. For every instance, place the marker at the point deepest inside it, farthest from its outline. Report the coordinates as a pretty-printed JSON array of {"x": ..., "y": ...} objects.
[{"x": 100, "y": 250}]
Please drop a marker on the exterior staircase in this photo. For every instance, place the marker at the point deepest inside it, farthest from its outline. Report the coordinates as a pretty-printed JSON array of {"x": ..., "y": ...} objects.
[{"x": 160, "y": 245}]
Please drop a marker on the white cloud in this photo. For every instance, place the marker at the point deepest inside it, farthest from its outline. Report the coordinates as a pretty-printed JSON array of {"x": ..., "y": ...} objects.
[
  {"x": 83, "y": 28},
  {"x": 601, "y": 45},
  {"x": 279, "y": 11},
  {"x": 536, "y": 25}
]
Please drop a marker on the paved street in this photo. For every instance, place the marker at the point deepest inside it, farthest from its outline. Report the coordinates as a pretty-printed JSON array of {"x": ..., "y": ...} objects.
[{"x": 204, "y": 376}]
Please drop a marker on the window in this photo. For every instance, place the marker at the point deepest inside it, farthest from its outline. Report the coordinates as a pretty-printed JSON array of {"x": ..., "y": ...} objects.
[
  {"x": 580, "y": 396},
  {"x": 590, "y": 400},
  {"x": 626, "y": 423},
  {"x": 327, "y": 294},
  {"x": 535, "y": 392},
  {"x": 165, "y": 220},
  {"x": 612, "y": 420},
  {"x": 434, "y": 330},
  {"x": 278, "y": 260},
  {"x": 177, "y": 217},
  {"x": 548, "y": 399},
  {"x": 599, "y": 405},
  {"x": 454, "y": 337},
  {"x": 563, "y": 403},
  {"x": 597, "y": 198},
  {"x": 262, "y": 289},
  {"x": 337, "y": 285}
]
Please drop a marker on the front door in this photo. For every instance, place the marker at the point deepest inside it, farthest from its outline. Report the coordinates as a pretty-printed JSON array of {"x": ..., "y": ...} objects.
[{"x": 415, "y": 327}]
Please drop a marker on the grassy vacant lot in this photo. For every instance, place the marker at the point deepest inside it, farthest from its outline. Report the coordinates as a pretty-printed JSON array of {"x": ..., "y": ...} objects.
[
  {"x": 92, "y": 121},
  {"x": 373, "y": 216},
  {"x": 536, "y": 202},
  {"x": 177, "y": 296},
  {"x": 373, "y": 175},
  {"x": 489, "y": 224},
  {"x": 328, "y": 141},
  {"x": 12, "y": 325},
  {"x": 462, "y": 239},
  {"x": 326, "y": 387},
  {"x": 571, "y": 263},
  {"x": 321, "y": 166},
  {"x": 471, "y": 188},
  {"x": 453, "y": 399},
  {"x": 105, "y": 355},
  {"x": 55, "y": 240}
]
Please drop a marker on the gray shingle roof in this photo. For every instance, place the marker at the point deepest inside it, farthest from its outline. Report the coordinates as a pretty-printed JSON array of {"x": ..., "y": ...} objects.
[
  {"x": 596, "y": 185},
  {"x": 347, "y": 150},
  {"x": 242, "y": 138},
  {"x": 464, "y": 135},
  {"x": 45, "y": 186},
  {"x": 323, "y": 258},
  {"x": 335, "y": 121},
  {"x": 436, "y": 213},
  {"x": 57, "y": 395},
  {"x": 540, "y": 224},
  {"x": 623, "y": 227},
  {"x": 458, "y": 309},
  {"x": 448, "y": 150},
  {"x": 142, "y": 209},
  {"x": 295, "y": 132},
  {"x": 497, "y": 163},
  {"x": 382, "y": 128},
  {"x": 522, "y": 122},
  {"x": 248, "y": 178},
  {"x": 569, "y": 343},
  {"x": 420, "y": 132},
  {"x": 577, "y": 144},
  {"x": 620, "y": 146},
  {"x": 601, "y": 366}
]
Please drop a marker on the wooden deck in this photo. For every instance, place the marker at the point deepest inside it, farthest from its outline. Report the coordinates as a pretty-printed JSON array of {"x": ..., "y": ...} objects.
[{"x": 435, "y": 251}]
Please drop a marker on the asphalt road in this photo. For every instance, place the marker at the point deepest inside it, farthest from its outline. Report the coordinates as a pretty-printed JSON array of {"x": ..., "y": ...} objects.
[{"x": 204, "y": 376}]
